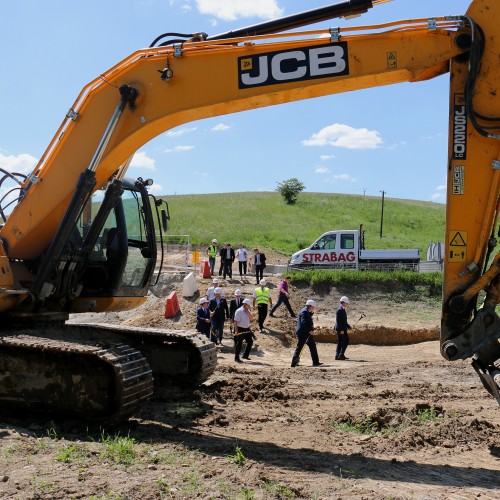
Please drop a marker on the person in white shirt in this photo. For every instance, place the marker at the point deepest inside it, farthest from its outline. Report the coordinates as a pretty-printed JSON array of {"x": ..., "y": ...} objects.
[
  {"x": 242, "y": 332},
  {"x": 242, "y": 256},
  {"x": 210, "y": 292}
]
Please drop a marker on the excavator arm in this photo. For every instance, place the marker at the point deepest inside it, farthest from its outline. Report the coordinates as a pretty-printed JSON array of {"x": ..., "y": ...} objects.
[
  {"x": 197, "y": 76},
  {"x": 174, "y": 84}
]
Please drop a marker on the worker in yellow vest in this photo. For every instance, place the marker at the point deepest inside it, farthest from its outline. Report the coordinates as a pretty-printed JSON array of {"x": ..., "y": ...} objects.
[
  {"x": 211, "y": 252},
  {"x": 262, "y": 297}
]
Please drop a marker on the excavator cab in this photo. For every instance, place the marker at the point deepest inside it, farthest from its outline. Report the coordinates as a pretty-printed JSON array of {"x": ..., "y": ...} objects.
[{"x": 119, "y": 245}]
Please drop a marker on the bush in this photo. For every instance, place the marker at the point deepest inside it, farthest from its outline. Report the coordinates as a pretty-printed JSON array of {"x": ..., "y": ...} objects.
[
  {"x": 431, "y": 282},
  {"x": 290, "y": 190}
]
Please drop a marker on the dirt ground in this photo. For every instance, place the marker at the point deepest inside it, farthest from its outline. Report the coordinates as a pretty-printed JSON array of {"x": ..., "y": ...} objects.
[{"x": 393, "y": 421}]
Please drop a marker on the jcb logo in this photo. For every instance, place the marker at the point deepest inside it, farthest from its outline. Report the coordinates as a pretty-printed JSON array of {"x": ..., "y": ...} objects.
[{"x": 293, "y": 65}]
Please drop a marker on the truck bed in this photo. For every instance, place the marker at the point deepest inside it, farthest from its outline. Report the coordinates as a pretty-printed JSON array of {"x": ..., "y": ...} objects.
[{"x": 396, "y": 254}]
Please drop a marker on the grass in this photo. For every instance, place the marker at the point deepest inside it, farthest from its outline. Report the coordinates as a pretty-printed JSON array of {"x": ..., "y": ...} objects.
[
  {"x": 41, "y": 486},
  {"x": 428, "y": 414},
  {"x": 73, "y": 452},
  {"x": 246, "y": 494},
  {"x": 362, "y": 425},
  {"x": 365, "y": 425},
  {"x": 278, "y": 490},
  {"x": 118, "y": 449},
  {"x": 263, "y": 219},
  {"x": 238, "y": 458}
]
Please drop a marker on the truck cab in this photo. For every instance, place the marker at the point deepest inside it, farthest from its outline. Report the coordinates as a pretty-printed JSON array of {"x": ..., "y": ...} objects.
[{"x": 334, "y": 249}]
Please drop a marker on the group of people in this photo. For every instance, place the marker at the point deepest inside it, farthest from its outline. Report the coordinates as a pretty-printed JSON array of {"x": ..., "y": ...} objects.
[
  {"x": 212, "y": 314},
  {"x": 214, "y": 311},
  {"x": 228, "y": 255},
  {"x": 305, "y": 328}
]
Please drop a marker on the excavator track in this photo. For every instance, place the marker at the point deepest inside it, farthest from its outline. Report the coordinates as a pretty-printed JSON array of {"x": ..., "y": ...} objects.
[
  {"x": 186, "y": 356},
  {"x": 97, "y": 371},
  {"x": 96, "y": 382}
]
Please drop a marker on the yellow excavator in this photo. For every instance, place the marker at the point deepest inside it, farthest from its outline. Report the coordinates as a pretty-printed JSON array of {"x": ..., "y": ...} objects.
[{"x": 67, "y": 246}]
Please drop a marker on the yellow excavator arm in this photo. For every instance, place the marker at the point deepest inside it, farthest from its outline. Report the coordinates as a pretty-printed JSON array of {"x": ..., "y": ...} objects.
[{"x": 179, "y": 81}]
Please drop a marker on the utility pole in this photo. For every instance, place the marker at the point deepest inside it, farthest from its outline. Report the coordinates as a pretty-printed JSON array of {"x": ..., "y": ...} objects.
[{"x": 382, "y": 214}]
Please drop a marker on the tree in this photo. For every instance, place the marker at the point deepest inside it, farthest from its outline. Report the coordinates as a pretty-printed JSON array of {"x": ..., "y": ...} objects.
[{"x": 290, "y": 190}]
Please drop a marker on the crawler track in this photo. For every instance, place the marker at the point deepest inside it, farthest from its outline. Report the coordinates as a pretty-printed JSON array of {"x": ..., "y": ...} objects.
[
  {"x": 98, "y": 372},
  {"x": 82, "y": 380}
]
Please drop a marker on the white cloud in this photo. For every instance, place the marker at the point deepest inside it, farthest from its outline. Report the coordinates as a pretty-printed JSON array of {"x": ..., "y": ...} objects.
[
  {"x": 340, "y": 177},
  {"x": 396, "y": 145},
  {"x": 440, "y": 194},
  {"x": 437, "y": 196},
  {"x": 344, "y": 177},
  {"x": 344, "y": 136},
  {"x": 156, "y": 189},
  {"x": 229, "y": 10},
  {"x": 142, "y": 160},
  {"x": 22, "y": 164},
  {"x": 326, "y": 157},
  {"x": 220, "y": 127},
  {"x": 321, "y": 170},
  {"x": 186, "y": 8},
  {"x": 178, "y": 149},
  {"x": 180, "y": 131},
  {"x": 200, "y": 174}
]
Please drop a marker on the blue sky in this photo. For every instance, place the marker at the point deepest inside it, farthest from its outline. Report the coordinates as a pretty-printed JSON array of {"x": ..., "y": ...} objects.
[{"x": 389, "y": 138}]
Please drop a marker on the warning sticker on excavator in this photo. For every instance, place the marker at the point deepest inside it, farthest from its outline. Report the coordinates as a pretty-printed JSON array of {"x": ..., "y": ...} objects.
[
  {"x": 392, "y": 60},
  {"x": 458, "y": 246}
]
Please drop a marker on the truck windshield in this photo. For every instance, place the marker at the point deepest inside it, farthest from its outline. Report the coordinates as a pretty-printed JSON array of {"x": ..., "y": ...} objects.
[{"x": 326, "y": 242}]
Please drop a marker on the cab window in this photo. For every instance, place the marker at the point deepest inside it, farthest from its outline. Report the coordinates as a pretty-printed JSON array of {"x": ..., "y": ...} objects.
[{"x": 347, "y": 241}]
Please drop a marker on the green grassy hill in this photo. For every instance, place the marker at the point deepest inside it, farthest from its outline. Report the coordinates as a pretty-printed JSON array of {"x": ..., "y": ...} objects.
[{"x": 263, "y": 219}]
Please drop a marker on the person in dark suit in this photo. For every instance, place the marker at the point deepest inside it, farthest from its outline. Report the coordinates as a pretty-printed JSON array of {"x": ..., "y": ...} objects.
[
  {"x": 342, "y": 326},
  {"x": 235, "y": 303},
  {"x": 203, "y": 318},
  {"x": 222, "y": 251},
  {"x": 259, "y": 262},
  {"x": 227, "y": 254},
  {"x": 219, "y": 312},
  {"x": 303, "y": 332}
]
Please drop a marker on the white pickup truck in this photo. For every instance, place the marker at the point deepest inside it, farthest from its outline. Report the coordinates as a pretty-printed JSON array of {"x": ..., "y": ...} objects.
[{"x": 345, "y": 249}]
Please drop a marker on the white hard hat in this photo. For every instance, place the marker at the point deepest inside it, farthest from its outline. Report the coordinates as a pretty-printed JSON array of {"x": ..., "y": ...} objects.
[
  {"x": 345, "y": 299},
  {"x": 214, "y": 241},
  {"x": 215, "y": 280},
  {"x": 218, "y": 290},
  {"x": 311, "y": 303},
  {"x": 237, "y": 292},
  {"x": 203, "y": 300},
  {"x": 247, "y": 301},
  {"x": 262, "y": 282}
]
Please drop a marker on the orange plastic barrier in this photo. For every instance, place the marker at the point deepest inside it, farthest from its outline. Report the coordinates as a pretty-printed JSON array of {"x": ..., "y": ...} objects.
[
  {"x": 172, "y": 306},
  {"x": 205, "y": 269}
]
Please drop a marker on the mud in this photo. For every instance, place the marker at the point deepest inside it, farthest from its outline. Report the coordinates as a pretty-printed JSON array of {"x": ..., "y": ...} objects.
[{"x": 393, "y": 421}]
